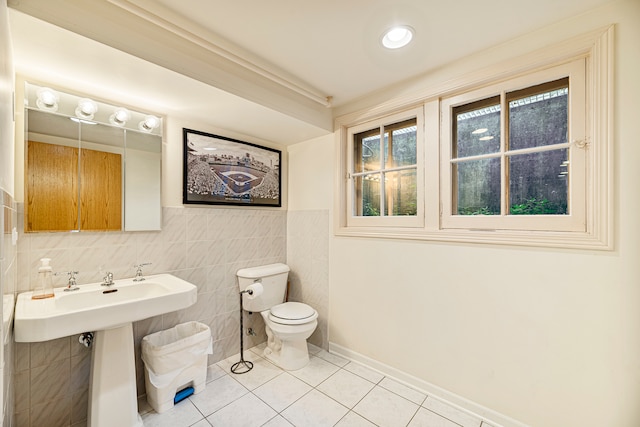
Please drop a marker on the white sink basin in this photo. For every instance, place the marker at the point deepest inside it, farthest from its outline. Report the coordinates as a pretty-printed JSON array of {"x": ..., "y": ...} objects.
[{"x": 94, "y": 307}]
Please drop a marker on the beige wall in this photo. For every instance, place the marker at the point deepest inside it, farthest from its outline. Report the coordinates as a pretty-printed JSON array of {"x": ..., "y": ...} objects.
[
  {"x": 311, "y": 181},
  {"x": 545, "y": 337}
]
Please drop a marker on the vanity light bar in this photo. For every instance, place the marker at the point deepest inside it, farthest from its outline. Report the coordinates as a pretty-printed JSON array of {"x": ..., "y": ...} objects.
[{"x": 90, "y": 111}]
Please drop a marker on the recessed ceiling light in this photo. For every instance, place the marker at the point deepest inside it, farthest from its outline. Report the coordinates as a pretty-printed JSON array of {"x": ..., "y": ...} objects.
[
  {"x": 486, "y": 138},
  {"x": 397, "y": 37}
]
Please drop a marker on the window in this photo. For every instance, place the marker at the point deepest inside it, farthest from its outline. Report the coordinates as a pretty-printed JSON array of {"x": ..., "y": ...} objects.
[
  {"x": 518, "y": 153},
  {"x": 385, "y": 179},
  {"x": 512, "y": 164}
]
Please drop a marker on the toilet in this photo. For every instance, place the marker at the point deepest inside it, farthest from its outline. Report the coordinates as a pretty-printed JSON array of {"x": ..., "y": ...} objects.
[{"x": 287, "y": 324}]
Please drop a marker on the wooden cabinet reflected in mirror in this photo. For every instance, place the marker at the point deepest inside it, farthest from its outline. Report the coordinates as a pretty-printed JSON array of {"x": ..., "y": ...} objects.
[
  {"x": 57, "y": 187},
  {"x": 100, "y": 190},
  {"x": 51, "y": 187}
]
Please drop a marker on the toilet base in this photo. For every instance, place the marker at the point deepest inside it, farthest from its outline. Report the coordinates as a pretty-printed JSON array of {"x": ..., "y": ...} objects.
[
  {"x": 287, "y": 344},
  {"x": 292, "y": 355}
]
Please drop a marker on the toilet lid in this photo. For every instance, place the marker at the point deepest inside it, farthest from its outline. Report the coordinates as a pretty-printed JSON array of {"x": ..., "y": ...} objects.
[{"x": 292, "y": 311}]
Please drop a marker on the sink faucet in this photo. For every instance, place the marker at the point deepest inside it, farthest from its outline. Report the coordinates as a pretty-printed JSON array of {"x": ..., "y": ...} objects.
[
  {"x": 139, "y": 277},
  {"x": 107, "y": 280},
  {"x": 72, "y": 285}
]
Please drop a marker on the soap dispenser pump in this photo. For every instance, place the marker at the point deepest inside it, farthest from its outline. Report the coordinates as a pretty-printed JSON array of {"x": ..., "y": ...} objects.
[{"x": 45, "y": 281}]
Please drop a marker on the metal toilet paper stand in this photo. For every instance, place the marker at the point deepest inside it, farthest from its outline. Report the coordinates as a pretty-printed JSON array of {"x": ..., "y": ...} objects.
[{"x": 243, "y": 366}]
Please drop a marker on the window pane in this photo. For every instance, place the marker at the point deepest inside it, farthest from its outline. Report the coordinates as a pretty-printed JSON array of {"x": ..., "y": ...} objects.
[
  {"x": 401, "y": 192},
  {"x": 478, "y": 187},
  {"x": 367, "y": 191},
  {"x": 538, "y": 115},
  {"x": 538, "y": 183},
  {"x": 477, "y": 128},
  {"x": 367, "y": 151},
  {"x": 402, "y": 144}
]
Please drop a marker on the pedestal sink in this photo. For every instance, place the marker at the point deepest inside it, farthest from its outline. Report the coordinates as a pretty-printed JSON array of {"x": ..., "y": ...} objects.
[{"x": 109, "y": 311}]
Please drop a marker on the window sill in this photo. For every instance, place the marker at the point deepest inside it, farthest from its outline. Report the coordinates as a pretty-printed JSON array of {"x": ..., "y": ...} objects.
[{"x": 546, "y": 239}]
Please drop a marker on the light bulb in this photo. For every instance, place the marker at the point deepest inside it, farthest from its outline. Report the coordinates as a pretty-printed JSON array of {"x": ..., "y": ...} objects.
[
  {"x": 86, "y": 108},
  {"x": 120, "y": 117},
  {"x": 149, "y": 123},
  {"x": 47, "y": 99}
]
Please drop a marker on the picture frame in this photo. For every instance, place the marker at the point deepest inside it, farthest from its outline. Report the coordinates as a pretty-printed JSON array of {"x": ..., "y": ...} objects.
[{"x": 224, "y": 171}]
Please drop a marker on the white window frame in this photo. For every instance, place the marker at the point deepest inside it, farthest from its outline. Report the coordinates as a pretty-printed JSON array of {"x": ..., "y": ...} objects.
[
  {"x": 387, "y": 221},
  {"x": 574, "y": 221},
  {"x": 596, "y": 233}
]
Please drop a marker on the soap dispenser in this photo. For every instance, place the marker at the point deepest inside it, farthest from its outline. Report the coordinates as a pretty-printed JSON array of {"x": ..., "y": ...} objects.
[{"x": 45, "y": 281}]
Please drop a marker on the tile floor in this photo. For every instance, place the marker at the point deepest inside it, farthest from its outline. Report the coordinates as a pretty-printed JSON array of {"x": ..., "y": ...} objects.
[{"x": 330, "y": 391}]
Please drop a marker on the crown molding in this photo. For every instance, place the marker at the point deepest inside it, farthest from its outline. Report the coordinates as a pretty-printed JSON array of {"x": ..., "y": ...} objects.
[{"x": 167, "y": 20}]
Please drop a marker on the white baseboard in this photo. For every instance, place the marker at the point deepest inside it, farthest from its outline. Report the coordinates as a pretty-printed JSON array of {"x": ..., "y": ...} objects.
[{"x": 491, "y": 417}]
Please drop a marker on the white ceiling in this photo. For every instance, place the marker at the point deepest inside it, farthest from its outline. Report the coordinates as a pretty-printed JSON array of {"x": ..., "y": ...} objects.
[{"x": 327, "y": 48}]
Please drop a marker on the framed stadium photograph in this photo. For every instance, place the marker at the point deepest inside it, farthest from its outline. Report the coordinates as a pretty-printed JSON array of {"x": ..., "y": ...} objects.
[{"x": 225, "y": 171}]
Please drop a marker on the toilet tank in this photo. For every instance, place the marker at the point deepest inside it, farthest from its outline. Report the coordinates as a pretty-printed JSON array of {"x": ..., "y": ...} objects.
[{"x": 274, "y": 281}]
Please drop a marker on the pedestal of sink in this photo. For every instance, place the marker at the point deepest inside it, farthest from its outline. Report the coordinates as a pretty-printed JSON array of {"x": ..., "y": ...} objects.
[{"x": 112, "y": 395}]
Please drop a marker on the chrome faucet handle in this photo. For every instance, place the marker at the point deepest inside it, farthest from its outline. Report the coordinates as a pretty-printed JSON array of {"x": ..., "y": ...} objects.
[
  {"x": 107, "y": 280},
  {"x": 72, "y": 284},
  {"x": 139, "y": 277}
]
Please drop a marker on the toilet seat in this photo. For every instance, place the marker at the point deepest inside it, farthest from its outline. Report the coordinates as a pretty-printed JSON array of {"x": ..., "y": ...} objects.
[{"x": 292, "y": 313}]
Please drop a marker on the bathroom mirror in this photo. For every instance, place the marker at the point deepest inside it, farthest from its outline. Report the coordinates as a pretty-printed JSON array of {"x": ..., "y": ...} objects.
[{"x": 87, "y": 174}]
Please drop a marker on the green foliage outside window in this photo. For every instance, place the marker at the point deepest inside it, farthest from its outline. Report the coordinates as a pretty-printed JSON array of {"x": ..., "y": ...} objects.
[
  {"x": 538, "y": 207},
  {"x": 531, "y": 206},
  {"x": 370, "y": 210}
]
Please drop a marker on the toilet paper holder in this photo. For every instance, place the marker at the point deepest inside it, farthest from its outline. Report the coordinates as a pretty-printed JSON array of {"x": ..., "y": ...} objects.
[{"x": 243, "y": 366}]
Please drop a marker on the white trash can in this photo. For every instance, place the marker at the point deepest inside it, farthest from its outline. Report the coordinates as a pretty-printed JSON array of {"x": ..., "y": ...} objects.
[{"x": 175, "y": 359}]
